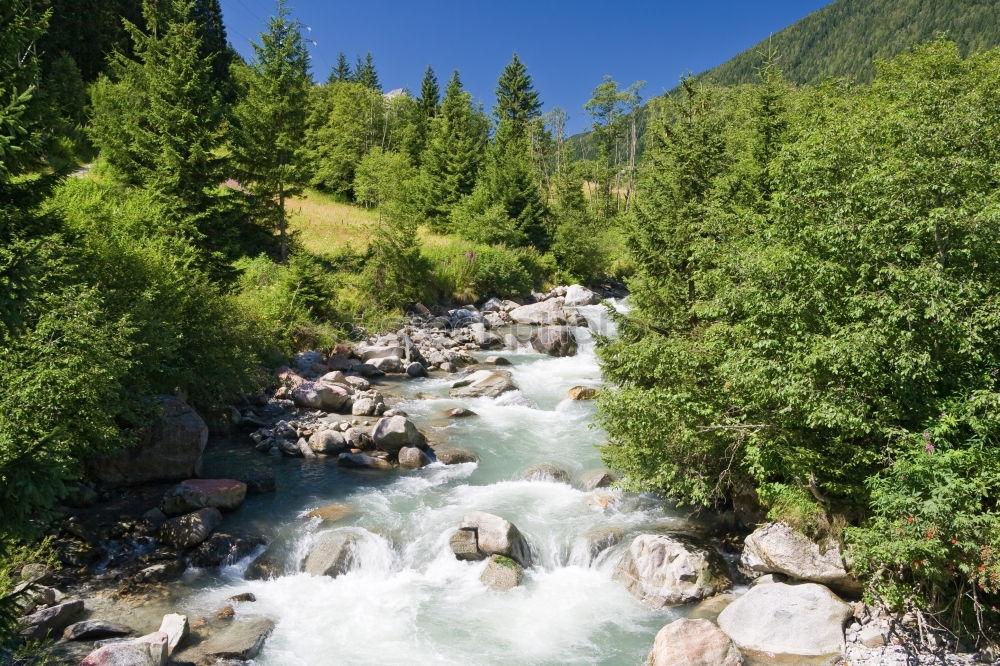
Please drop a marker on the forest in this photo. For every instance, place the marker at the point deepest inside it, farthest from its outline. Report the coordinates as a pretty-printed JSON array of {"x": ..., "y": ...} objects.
[{"x": 812, "y": 262}]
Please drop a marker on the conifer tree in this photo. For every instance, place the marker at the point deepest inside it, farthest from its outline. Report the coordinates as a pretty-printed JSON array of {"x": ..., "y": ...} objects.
[
  {"x": 270, "y": 120},
  {"x": 517, "y": 100},
  {"x": 430, "y": 93},
  {"x": 341, "y": 71},
  {"x": 365, "y": 74},
  {"x": 156, "y": 120},
  {"x": 214, "y": 44},
  {"x": 454, "y": 152}
]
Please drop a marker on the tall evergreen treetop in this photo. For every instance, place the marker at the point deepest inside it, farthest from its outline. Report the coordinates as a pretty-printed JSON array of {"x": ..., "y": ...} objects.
[
  {"x": 517, "y": 100},
  {"x": 341, "y": 71},
  {"x": 365, "y": 74},
  {"x": 214, "y": 44},
  {"x": 430, "y": 93}
]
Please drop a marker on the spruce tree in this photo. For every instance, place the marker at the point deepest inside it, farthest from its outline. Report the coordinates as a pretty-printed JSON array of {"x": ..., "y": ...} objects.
[
  {"x": 156, "y": 120},
  {"x": 214, "y": 44},
  {"x": 454, "y": 152},
  {"x": 270, "y": 120},
  {"x": 365, "y": 74},
  {"x": 341, "y": 71},
  {"x": 430, "y": 93},
  {"x": 517, "y": 100}
]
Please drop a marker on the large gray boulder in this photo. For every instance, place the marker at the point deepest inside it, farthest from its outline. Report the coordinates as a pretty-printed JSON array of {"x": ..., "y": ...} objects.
[
  {"x": 492, "y": 535},
  {"x": 549, "y": 312},
  {"x": 483, "y": 383},
  {"x": 241, "y": 641},
  {"x": 391, "y": 433},
  {"x": 52, "y": 620},
  {"x": 669, "y": 570},
  {"x": 322, "y": 395},
  {"x": 693, "y": 643},
  {"x": 554, "y": 340},
  {"x": 577, "y": 295},
  {"x": 168, "y": 450},
  {"x": 777, "y": 548},
  {"x": 149, "y": 650},
  {"x": 328, "y": 442},
  {"x": 194, "y": 494},
  {"x": 502, "y": 573},
  {"x": 787, "y": 621},
  {"x": 190, "y": 529},
  {"x": 333, "y": 553},
  {"x": 91, "y": 630}
]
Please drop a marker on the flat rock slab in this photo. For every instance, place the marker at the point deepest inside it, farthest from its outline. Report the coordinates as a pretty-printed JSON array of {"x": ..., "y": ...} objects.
[
  {"x": 194, "y": 494},
  {"x": 331, "y": 513},
  {"x": 802, "y": 620},
  {"x": 484, "y": 383},
  {"x": 241, "y": 640},
  {"x": 52, "y": 620},
  {"x": 89, "y": 630}
]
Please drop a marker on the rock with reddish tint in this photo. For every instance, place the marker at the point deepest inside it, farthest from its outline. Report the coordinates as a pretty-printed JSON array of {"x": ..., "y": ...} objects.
[
  {"x": 332, "y": 513},
  {"x": 51, "y": 621},
  {"x": 194, "y": 494},
  {"x": 693, "y": 643},
  {"x": 190, "y": 529},
  {"x": 582, "y": 393},
  {"x": 169, "y": 450},
  {"x": 149, "y": 650}
]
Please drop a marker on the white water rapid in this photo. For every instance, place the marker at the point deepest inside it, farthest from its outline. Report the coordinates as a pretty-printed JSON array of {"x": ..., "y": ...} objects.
[{"x": 409, "y": 600}]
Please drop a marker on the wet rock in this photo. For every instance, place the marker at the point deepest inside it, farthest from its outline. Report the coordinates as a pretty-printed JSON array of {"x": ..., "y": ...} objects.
[
  {"x": 243, "y": 597},
  {"x": 669, "y": 570},
  {"x": 221, "y": 550},
  {"x": 547, "y": 312},
  {"x": 454, "y": 456},
  {"x": 148, "y": 650},
  {"x": 328, "y": 442},
  {"x": 242, "y": 640},
  {"x": 546, "y": 472},
  {"x": 175, "y": 626},
  {"x": 577, "y": 295},
  {"x": 600, "y": 478},
  {"x": 710, "y": 608},
  {"x": 554, "y": 340},
  {"x": 416, "y": 369},
  {"x": 687, "y": 642},
  {"x": 190, "y": 529},
  {"x": 393, "y": 433},
  {"x": 332, "y": 513},
  {"x": 227, "y": 612},
  {"x": 194, "y": 494},
  {"x": 268, "y": 564},
  {"x": 90, "y": 630},
  {"x": 459, "y": 413},
  {"x": 160, "y": 573},
  {"x": 332, "y": 554},
  {"x": 803, "y": 620},
  {"x": 169, "y": 450},
  {"x": 777, "y": 548},
  {"x": 484, "y": 383},
  {"x": 591, "y": 544},
  {"x": 497, "y": 536},
  {"x": 502, "y": 573},
  {"x": 362, "y": 461},
  {"x": 464, "y": 545},
  {"x": 51, "y": 621},
  {"x": 497, "y": 360},
  {"x": 259, "y": 482},
  {"x": 411, "y": 456},
  {"x": 582, "y": 393}
]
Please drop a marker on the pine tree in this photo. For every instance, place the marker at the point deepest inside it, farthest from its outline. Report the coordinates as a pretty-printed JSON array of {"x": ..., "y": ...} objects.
[
  {"x": 365, "y": 74},
  {"x": 270, "y": 120},
  {"x": 454, "y": 152},
  {"x": 517, "y": 100},
  {"x": 214, "y": 44},
  {"x": 341, "y": 71},
  {"x": 156, "y": 120},
  {"x": 430, "y": 93}
]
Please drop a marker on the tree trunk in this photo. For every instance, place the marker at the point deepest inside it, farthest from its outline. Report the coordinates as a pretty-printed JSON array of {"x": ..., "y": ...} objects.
[{"x": 282, "y": 223}]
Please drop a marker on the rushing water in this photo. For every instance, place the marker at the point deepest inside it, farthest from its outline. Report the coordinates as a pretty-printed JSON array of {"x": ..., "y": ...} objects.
[{"x": 409, "y": 601}]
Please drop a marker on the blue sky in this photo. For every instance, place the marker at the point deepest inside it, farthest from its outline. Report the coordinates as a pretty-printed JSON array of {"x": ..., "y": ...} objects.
[{"x": 567, "y": 46}]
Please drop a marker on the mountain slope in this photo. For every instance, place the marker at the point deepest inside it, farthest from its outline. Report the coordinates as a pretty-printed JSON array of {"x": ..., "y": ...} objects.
[{"x": 844, "y": 38}]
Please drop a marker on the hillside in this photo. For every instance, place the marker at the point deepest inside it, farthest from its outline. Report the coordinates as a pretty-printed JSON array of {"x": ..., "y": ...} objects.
[{"x": 844, "y": 38}]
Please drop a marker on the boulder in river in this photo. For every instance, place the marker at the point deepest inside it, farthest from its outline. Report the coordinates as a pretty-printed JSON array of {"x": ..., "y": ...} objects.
[
  {"x": 483, "y": 383},
  {"x": 787, "y": 621},
  {"x": 328, "y": 442},
  {"x": 502, "y": 573},
  {"x": 190, "y": 529},
  {"x": 549, "y": 313},
  {"x": 582, "y": 393},
  {"x": 546, "y": 472},
  {"x": 321, "y": 395},
  {"x": 686, "y": 642},
  {"x": 493, "y": 536},
  {"x": 450, "y": 455},
  {"x": 777, "y": 548},
  {"x": 169, "y": 450},
  {"x": 241, "y": 641},
  {"x": 588, "y": 546},
  {"x": 554, "y": 340},
  {"x": 332, "y": 513},
  {"x": 459, "y": 413},
  {"x": 362, "y": 461},
  {"x": 333, "y": 553},
  {"x": 221, "y": 550},
  {"x": 194, "y": 494},
  {"x": 413, "y": 457},
  {"x": 671, "y": 569},
  {"x": 92, "y": 630},
  {"x": 52, "y": 620},
  {"x": 577, "y": 295},
  {"x": 600, "y": 478},
  {"x": 392, "y": 433}
]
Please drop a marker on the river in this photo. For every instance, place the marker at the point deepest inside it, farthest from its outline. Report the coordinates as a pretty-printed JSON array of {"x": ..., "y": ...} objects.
[{"x": 409, "y": 600}]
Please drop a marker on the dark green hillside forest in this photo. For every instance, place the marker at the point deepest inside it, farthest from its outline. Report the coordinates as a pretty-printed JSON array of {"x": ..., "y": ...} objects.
[
  {"x": 813, "y": 262},
  {"x": 844, "y": 39}
]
